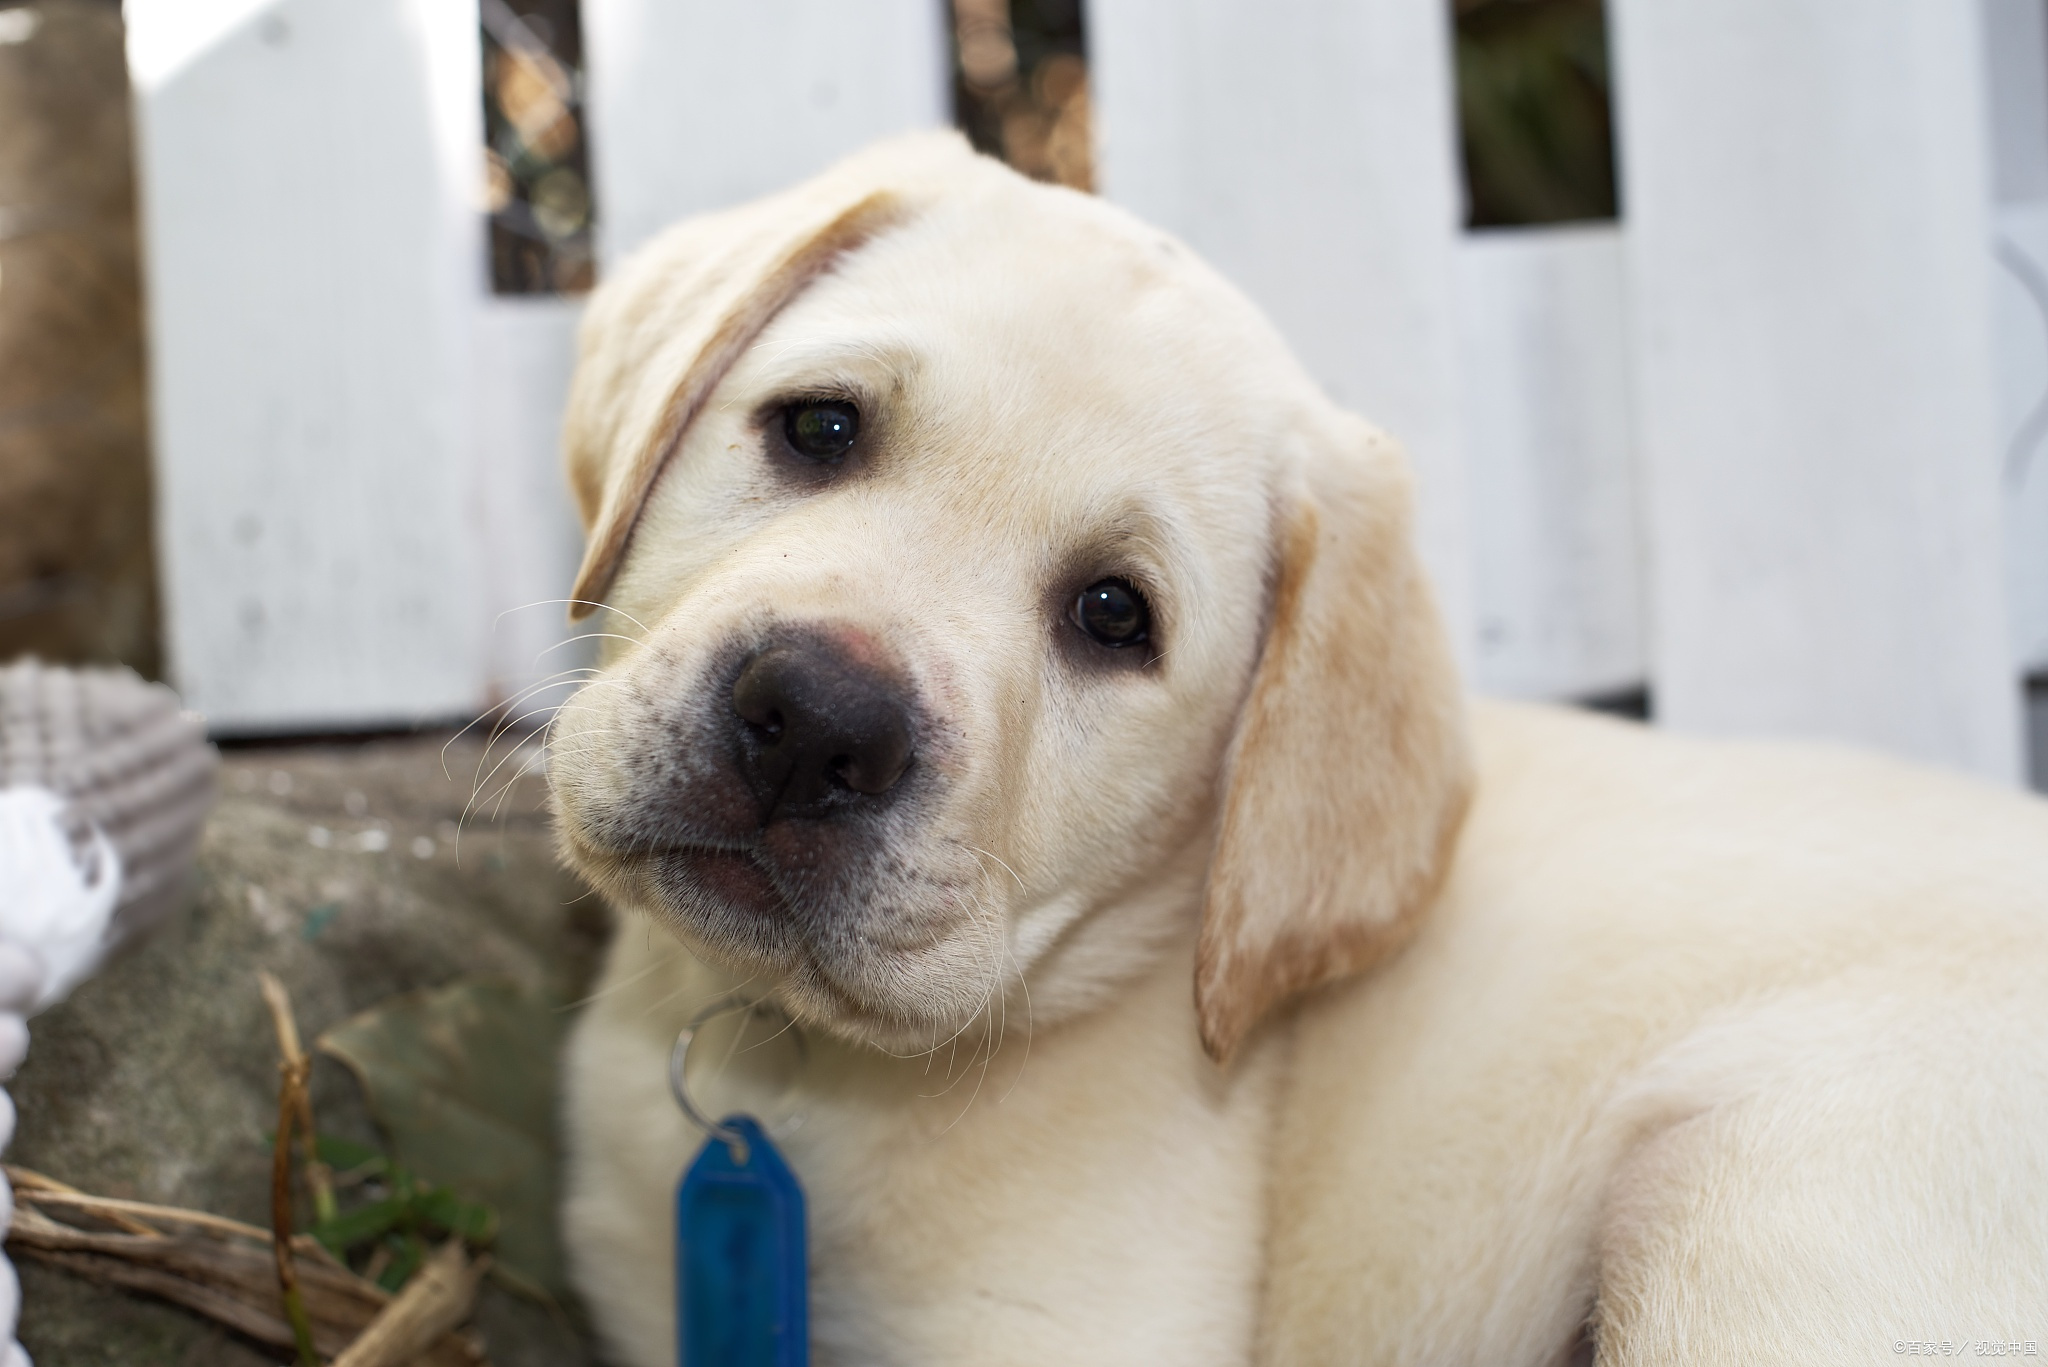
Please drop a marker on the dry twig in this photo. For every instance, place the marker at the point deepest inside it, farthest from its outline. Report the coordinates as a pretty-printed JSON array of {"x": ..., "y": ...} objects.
[
  {"x": 438, "y": 1298},
  {"x": 221, "y": 1268},
  {"x": 292, "y": 1101},
  {"x": 318, "y": 1178}
]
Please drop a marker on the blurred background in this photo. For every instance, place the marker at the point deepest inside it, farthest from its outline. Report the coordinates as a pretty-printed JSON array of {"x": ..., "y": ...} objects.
[{"x": 1718, "y": 328}]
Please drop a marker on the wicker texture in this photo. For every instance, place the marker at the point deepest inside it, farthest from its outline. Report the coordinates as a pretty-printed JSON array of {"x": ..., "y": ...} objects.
[{"x": 132, "y": 762}]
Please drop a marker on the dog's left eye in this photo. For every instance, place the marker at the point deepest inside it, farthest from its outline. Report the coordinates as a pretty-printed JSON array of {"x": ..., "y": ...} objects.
[
  {"x": 1113, "y": 613},
  {"x": 821, "y": 429}
]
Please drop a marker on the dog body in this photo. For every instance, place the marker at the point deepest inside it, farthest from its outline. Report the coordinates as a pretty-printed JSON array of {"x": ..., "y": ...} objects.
[
  {"x": 1007, "y": 636},
  {"x": 1747, "y": 1043},
  {"x": 1739, "y": 1049}
]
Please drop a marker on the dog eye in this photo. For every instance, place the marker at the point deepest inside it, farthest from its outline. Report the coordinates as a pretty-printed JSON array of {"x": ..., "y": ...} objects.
[
  {"x": 821, "y": 429},
  {"x": 1112, "y": 613}
]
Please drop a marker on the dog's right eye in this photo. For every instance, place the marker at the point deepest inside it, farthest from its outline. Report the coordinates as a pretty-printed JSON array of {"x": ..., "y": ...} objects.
[
  {"x": 821, "y": 429},
  {"x": 1113, "y": 614}
]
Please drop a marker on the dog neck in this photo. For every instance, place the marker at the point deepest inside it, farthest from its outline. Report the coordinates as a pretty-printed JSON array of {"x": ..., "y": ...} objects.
[{"x": 1078, "y": 953}]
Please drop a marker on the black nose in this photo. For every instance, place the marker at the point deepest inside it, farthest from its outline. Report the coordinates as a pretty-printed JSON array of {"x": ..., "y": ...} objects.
[{"x": 820, "y": 731}]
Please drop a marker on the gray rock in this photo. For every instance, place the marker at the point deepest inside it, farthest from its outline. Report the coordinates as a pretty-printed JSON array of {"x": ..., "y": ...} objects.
[{"x": 337, "y": 869}]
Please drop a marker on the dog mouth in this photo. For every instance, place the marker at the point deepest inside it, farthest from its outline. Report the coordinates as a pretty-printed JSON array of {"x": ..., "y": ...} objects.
[
  {"x": 887, "y": 968},
  {"x": 729, "y": 879},
  {"x": 722, "y": 887}
]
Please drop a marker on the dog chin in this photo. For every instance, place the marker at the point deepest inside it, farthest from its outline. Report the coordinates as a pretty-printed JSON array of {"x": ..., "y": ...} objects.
[{"x": 915, "y": 1018}]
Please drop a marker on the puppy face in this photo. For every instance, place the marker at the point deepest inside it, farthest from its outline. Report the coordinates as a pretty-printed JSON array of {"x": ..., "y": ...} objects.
[{"x": 932, "y": 634}]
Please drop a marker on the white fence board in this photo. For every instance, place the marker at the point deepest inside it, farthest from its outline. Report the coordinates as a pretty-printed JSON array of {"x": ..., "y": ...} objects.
[
  {"x": 308, "y": 178},
  {"x": 1807, "y": 202},
  {"x": 528, "y": 538},
  {"x": 1549, "y": 451},
  {"x": 697, "y": 104},
  {"x": 1307, "y": 149}
]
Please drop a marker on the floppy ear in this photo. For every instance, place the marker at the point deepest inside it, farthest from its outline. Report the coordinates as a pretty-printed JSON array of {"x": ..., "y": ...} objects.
[
  {"x": 661, "y": 334},
  {"x": 1349, "y": 772}
]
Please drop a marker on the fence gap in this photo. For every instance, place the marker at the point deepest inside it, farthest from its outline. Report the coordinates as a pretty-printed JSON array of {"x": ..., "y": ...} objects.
[
  {"x": 536, "y": 154},
  {"x": 1535, "y": 112},
  {"x": 1020, "y": 85}
]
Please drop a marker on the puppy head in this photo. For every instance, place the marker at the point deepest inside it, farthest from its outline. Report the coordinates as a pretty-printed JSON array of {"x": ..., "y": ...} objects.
[{"x": 986, "y": 588}]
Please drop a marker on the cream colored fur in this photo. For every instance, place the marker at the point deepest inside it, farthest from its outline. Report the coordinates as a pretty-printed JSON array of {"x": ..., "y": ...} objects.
[{"x": 1531, "y": 1020}]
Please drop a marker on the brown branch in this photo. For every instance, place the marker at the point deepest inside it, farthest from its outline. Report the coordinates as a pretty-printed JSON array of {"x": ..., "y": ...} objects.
[
  {"x": 115, "y": 1213},
  {"x": 291, "y": 1082},
  {"x": 318, "y": 1179},
  {"x": 240, "y": 1265},
  {"x": 113, "y": 1209}
]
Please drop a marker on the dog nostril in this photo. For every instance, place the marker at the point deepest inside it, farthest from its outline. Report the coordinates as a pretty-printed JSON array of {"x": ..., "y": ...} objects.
[
  {"x": 757, "y": 697},
  {"x": 873, "y": 773}
]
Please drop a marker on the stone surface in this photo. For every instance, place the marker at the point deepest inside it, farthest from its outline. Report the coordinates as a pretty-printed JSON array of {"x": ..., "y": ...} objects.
[{"x": 337, "y": 869}]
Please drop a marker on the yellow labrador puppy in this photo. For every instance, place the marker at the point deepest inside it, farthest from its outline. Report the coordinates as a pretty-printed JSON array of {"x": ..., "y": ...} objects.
[{"x": 1021, "y": 674}]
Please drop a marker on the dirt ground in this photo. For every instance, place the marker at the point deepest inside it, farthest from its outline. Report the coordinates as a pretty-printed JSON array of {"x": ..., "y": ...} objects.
[{"x": 337, "y": 869}]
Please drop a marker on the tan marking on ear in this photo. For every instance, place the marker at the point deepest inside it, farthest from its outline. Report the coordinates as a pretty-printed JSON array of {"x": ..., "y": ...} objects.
[
  {"x": 1349, "y": 773},
  {"x": 785, "y": 278},
  {"x": 662, "y": 332}
]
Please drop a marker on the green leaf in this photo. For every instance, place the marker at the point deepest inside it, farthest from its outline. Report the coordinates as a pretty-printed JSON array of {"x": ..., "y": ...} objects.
[
  {"x": 345, "y": 1155},
  {"x": 442, "y": 1208},
  {"x": 408, "y": 1252},
  {"x": 462, "y": 1078},
  {"x": 353, "y": 1227}
]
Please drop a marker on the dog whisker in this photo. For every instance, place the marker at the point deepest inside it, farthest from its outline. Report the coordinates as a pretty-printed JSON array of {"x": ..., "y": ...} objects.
[
  {"x": 497, "y": 708},
  {"x": 988, "y": 1043},
  {"x": 1006, "y": 868},
  {"x": 477, "y": 787},
  {"x": 504, "y": 792},
  {"x": 991, "y": 1013},
  {"x": 1004, "y": 953},
  {"x": 569, "y": 602},
  {"x": 592, "y": 636},
  {"x": 620, "y": 986}
]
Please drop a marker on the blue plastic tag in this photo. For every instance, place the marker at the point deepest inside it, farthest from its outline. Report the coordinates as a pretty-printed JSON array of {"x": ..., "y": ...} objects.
[{"x": 742, "y": 1288}]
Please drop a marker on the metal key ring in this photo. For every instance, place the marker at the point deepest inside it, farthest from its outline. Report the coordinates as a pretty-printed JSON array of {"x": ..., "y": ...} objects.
[{"x": 679, "y": 1058}]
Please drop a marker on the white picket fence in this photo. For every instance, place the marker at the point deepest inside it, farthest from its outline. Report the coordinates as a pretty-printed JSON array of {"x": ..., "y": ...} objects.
[{"x": 1766, "y": 444}]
